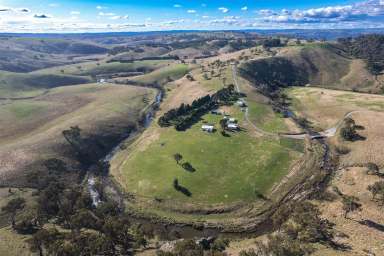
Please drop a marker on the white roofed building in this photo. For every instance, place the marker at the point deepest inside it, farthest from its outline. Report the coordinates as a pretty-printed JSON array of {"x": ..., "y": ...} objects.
[{"x": 207, "y": 127}]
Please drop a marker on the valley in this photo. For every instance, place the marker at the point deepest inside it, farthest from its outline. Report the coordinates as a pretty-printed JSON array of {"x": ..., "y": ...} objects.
[{"x": 190, "y": 136}]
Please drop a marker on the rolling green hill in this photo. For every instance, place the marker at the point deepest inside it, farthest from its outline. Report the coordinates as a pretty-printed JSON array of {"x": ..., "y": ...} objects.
[{"x": 29, "y": 84}]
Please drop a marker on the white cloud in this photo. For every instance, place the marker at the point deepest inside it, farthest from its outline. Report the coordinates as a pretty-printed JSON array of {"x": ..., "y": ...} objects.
[
  {"x": 223, "y": 9},
  {"x": 75, "y": 13},
  {"x": 106, "y": 14},
  {"x": 117, "y": 17},
  {"x": 364, "y": 14},
  {"x": 54, "y": 5},
  {"x": 244, "y": 8},
  {"x": 367, "y": 10},
  {"x": 177, "y": 5},
  {"x": 99, "y": 7}
]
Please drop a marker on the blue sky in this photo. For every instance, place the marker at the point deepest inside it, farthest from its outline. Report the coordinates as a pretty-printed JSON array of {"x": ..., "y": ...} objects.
[{"x": 126, "y": 15}]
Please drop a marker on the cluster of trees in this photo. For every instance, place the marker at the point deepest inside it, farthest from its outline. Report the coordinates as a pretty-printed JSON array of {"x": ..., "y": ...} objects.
[
  {"x": 377, "y": 191},
  {"x": 349, "y": 130},
  {"x": 298, "y": 227},
  {"x": 186, "y": 115},
  {"x": 368, "y": 47},
  {"x": 83, "y": 228},
  {"x": 192, "y": 248},
  {"x": 186, "y": 165},
  {"x": 271, "y": 74},
  {"x": 271, "y": 42}
]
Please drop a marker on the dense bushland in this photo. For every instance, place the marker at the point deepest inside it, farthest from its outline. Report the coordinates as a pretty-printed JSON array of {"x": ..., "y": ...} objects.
[{"x": 367, "y": 47}]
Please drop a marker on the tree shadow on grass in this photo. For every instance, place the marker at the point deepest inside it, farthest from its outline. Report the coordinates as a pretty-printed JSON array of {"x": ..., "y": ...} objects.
[
  {"x": 188, "y": 167},
  {"x": 372, "y": 224},
  {"x": 180, "y": 188},
  {"x": 184, "y": 190}
]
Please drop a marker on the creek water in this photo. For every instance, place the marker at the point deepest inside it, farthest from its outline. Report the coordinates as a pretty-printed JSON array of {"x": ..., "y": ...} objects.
[{"x": 91, "y": 180}]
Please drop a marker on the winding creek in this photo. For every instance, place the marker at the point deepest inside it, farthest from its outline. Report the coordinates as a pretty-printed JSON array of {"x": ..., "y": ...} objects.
[
  {"x": 172, "y": 231},
  {"x": 150, "y": 113}
]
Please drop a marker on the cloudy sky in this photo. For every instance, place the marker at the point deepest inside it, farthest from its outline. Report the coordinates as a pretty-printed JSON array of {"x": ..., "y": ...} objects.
[{"x": 148, "y": 15}]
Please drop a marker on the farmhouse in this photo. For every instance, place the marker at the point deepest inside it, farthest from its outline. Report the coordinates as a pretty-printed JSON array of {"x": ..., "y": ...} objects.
[
  {"x": 232, "y": 126},
  {"x": 207, "y": 127},
  {"x": 241, "y": 103}
]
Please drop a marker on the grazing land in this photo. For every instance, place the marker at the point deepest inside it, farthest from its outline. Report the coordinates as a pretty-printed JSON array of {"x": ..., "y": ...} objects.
[
  {"x": 224, "y": 172},
  {"x": 33, "y": 127},
  {"x": 115, "y": 144},
  {"x": 325, "y": 108}
]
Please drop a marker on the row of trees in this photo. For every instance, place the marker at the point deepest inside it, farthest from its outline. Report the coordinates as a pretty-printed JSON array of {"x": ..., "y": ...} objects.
[{"x": 186, "y": 115}]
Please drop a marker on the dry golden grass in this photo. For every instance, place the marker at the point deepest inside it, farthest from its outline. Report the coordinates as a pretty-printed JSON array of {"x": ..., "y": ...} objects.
[
  {"x": 12, "y": 244},
  {"x": 325, "y": 108},
  {"x": 369, "y": 150},
  {"x": 361, "y": 238},
  {"x": 40, "y": 139}
]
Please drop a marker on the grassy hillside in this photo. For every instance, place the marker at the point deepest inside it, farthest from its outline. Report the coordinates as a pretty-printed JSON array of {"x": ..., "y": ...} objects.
[
  {"x": 31, "y": 130},
  {"x": 30, "y": 84},
  {"x": 321, "y": 65},
  {"x": 325, "y": 108},
  {"x": 163, "y": 75},
  {"x": 19, "y": 54},
  {"x": 104, "y": 68}
]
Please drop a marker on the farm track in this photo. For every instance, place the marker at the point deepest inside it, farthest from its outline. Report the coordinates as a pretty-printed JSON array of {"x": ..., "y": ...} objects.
[{"x": 330, "y": 132}]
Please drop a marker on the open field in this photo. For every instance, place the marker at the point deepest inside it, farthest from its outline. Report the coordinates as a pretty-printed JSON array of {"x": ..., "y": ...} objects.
[
  {"x": 226, "y": 177},
  {"x": 31, "y": 129},
  {"x": 224, "y": 171},
  {"x": 325, "y": 108}
]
